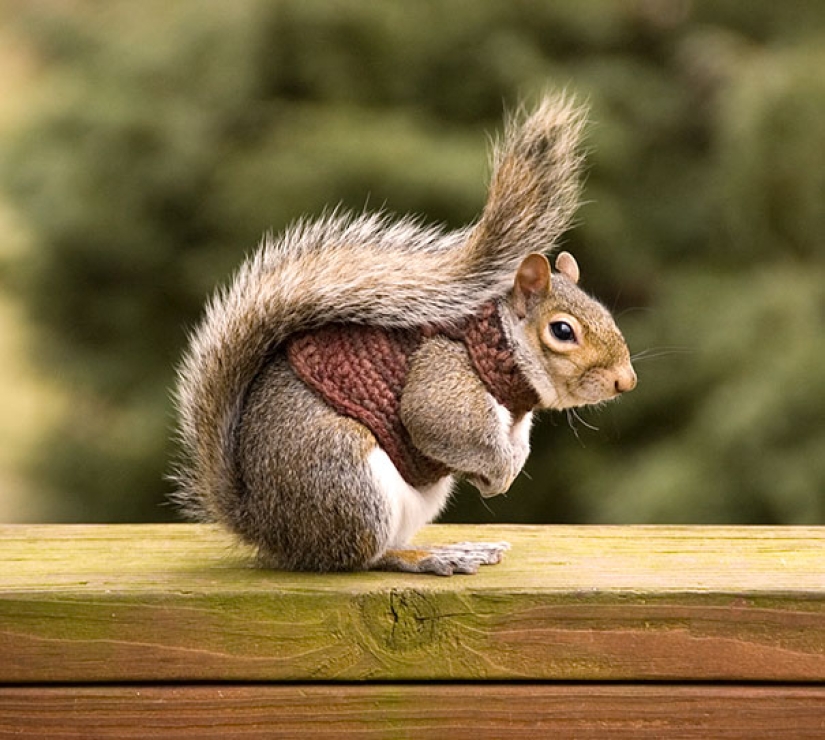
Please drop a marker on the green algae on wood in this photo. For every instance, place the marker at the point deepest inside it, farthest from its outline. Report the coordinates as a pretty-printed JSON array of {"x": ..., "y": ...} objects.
[{"x": 186, "y": 603}]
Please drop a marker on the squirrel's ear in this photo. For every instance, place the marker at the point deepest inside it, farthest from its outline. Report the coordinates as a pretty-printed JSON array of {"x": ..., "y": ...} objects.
[
  {"x": 532, "y": 283},
  {"x": 566, "y": 264}
]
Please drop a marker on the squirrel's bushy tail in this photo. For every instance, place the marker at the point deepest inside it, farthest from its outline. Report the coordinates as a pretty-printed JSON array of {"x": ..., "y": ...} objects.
[{"x": 368, "y": 270}]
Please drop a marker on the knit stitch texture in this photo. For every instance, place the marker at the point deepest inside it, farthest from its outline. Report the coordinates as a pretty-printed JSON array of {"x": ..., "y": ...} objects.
[{"x": 361, "y": 371}]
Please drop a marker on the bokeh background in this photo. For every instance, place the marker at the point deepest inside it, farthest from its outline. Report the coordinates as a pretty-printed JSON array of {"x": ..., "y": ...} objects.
[{"x": 145, "y": 147}]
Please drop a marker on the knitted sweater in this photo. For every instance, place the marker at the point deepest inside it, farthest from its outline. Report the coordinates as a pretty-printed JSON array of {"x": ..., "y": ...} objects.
[{"x": 361, "y": 371}]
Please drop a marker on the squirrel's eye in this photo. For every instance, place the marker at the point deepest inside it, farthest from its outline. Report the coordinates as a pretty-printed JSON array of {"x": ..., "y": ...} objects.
[{"x": 562, "y": 331}]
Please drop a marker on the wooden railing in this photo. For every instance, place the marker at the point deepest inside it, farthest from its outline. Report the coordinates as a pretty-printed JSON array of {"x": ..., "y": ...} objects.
[{"x": 583, "y": 632}]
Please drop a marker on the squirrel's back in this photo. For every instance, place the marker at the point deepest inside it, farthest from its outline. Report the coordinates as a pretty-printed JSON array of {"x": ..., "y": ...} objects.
[{"x": 371, "y": 270}]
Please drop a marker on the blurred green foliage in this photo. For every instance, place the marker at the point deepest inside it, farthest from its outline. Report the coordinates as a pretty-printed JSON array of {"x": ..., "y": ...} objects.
[{"x": 167, "y": 137}]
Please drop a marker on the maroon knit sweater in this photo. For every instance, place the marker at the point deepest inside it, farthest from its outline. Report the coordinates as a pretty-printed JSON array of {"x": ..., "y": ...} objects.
[{"x": 361, "y": 371}]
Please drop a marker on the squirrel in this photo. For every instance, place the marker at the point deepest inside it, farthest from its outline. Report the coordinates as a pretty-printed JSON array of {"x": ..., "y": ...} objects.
[{"x": 357, "y": 365}]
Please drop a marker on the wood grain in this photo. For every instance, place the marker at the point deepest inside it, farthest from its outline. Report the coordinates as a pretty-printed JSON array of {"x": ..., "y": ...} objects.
[
  {"x": 450, "y": 711},
  {"x": 182, "y": 603}
]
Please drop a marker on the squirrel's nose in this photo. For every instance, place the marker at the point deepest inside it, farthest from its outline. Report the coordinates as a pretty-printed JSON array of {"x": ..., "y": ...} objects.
[{"x": 625, "y": 380}]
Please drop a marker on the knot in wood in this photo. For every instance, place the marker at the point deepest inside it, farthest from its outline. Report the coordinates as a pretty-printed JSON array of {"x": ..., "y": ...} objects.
[{"x": 401, "y": 621}]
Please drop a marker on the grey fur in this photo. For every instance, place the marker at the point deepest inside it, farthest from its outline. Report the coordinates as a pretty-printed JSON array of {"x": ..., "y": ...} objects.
[{"x": 305, "y": 512}]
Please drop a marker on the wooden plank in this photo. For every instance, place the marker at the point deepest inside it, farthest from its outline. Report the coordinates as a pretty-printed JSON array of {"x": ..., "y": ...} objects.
[
  {"x": 422, "y": 711},
  {"x": 182, "y": 603}
]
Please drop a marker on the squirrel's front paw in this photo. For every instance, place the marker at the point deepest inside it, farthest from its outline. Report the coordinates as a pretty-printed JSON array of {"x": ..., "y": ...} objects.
[{"x": 489, "y": 487}]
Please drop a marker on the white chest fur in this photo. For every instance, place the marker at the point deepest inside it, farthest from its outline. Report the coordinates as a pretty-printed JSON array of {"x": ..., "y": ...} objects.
[{"x": 410, "y": 508}]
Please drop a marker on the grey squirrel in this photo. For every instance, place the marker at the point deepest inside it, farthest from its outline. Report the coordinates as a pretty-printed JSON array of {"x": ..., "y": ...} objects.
[{"x": 356, "y": 366}]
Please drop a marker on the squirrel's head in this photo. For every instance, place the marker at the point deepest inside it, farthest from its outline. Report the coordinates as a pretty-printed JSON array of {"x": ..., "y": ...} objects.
[{"x": 583, "y": 354}]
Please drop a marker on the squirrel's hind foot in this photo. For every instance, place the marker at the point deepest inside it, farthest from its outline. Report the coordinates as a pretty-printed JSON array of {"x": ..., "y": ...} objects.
[{"x": 463, "y": 558}]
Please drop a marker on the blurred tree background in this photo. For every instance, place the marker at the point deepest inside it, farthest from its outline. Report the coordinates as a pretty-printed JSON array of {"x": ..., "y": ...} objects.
[{"x": 147, "y": 146}]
